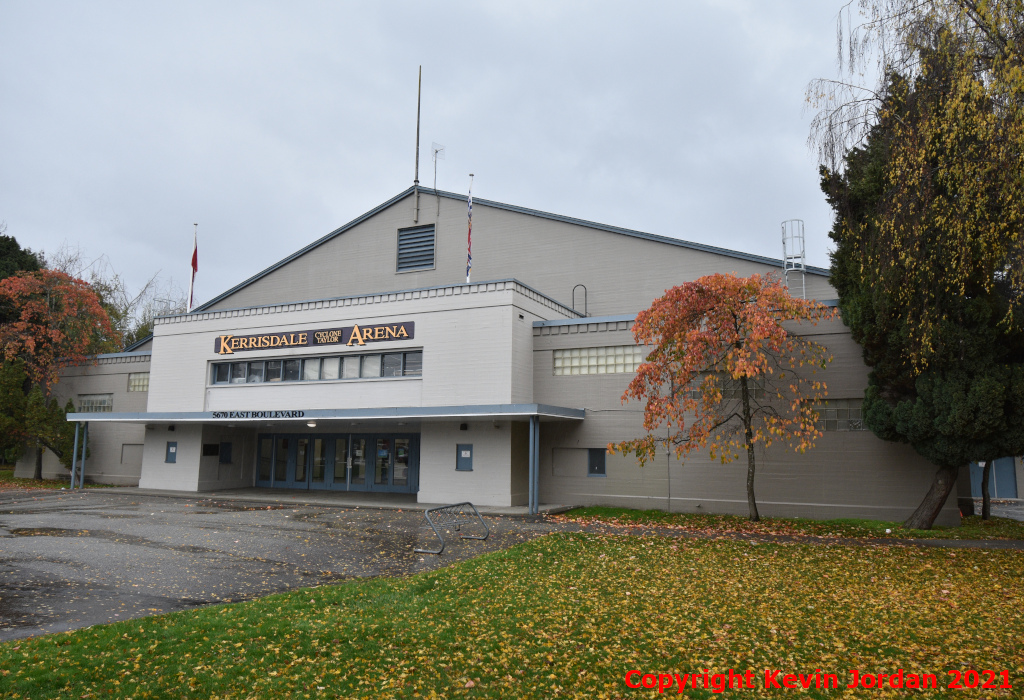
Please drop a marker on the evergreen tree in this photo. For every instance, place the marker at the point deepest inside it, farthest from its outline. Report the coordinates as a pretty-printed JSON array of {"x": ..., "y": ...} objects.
[{"x": 947, "y": 357}]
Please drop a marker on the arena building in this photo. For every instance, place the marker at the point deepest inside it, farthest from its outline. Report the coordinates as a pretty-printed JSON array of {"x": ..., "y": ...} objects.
[{"x": 366, "y": 362}]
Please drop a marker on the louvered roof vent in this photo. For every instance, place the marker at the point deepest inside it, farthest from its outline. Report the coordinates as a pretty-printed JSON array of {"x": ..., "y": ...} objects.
[{"x": 416, "y": 249}]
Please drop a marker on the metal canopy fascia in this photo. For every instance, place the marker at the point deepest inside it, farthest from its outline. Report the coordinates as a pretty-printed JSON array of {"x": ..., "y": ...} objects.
[{"x": 485, "y": 411}]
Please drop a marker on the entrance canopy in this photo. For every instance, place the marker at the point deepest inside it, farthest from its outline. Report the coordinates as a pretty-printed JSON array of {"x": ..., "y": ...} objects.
[{"x": 508, "y": 411}]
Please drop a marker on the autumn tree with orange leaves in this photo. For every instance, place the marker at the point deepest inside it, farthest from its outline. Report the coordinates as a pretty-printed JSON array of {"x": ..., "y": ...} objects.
[
  {"x": 725, "y": 372},
  {"x": 48, "y": 321}
]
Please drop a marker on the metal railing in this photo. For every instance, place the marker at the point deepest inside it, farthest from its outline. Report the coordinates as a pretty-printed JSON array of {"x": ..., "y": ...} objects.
[{"x": 453, "y": 516}]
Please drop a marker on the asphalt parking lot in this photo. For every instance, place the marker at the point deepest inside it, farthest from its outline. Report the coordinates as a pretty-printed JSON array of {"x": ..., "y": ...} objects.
[{"x": 71, "y": 560}]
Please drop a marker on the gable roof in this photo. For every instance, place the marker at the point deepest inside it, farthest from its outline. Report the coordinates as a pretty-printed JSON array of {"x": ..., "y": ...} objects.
[{"x": 507, "y": 207}]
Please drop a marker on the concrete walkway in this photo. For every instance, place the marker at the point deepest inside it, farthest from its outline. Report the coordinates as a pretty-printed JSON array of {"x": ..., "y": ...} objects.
[{"x": 330, "y": 499}]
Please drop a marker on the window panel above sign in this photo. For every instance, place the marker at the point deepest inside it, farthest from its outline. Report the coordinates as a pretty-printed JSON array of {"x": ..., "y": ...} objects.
[{"x": 352, "y": 336}]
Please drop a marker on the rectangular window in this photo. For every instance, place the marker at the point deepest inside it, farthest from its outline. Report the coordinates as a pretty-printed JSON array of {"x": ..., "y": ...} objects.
[
  {"x": 840, "y": 415},
  {"x": 331, "y": 368},
  {"x": 211, "y": 449},
  {"x": 171, "y": 456},
  {"x": 413, "y": 364},
  {"x": 415, "y": 249},
  {"x": 596, "y": 461},
  {"x": 291, "y": 370},
  {"x": 238, "y": 370},
  {"x": 370, "y": 366},
  {"x": 311, "y": 369},
  {"x": 95, "y": 403},
  {"x": 225, "y": 453},
  {"x": 274, "y": 370},
  {"x": 138, "y": 381},
  {"x": 255, "y": 373},
  {"x": 610, "y": 360},
  {"x": 221, "y": 373},
  {"x": 392, "y": 366},
  {"x": 351, "y": 367}
]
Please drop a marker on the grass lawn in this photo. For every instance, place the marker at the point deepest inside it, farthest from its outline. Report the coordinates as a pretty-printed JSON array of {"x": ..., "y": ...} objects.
[
  {"x": 568, "y": 615},
  {"x": 972, "y": 528}
]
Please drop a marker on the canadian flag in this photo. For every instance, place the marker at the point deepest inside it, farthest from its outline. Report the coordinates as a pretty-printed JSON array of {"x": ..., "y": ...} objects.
[{"x": 195, "y": 264}]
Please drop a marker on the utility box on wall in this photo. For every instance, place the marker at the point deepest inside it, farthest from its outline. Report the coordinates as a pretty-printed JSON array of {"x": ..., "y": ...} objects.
[{"x": 464, "y": 458}]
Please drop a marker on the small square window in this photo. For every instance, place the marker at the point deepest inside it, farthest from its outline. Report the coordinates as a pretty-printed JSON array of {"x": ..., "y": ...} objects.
[
  {"x": 138, "y": 381},
  {"x": 392, "y": 366},
  {"x": 413, "y": 364},
  {"x": 221, "y": 373},
  {"x": 351, "y": 370},
  {"x": 331, "y": 368},
  {"x": 311, "y": 369},
  {"x": 274, "y": 370},
  {"x": 370, "y": 366},
  {"x": 255, "y": 373},
  {"x": 211, "y": 449},
  {"x": 292, "y": 370},
  {"x": 238, "y": 370},
  {"x": 596, "y": 461}
]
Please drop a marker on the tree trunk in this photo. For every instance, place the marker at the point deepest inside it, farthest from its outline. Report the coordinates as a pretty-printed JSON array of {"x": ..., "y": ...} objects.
[
  {"x": 986, "y": 497},
  {"x": 942, "y": 486},
  {"x": 37, "y": 474},
  {"x": 748, "y": 435}
]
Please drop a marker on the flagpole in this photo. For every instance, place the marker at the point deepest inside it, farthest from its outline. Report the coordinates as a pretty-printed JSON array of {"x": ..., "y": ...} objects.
[
  {"x": 469, "y": 231},
  {"x": 195, "y": 264}
]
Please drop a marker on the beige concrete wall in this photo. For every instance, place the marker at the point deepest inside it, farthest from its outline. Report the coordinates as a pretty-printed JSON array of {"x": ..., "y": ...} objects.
[
  {"x": 622, "y": 273},
  {"x": 108, "y": 461},
  {"x": 476, "y": 350},
  {"x": 490, "y": 482},
  {"x": 848, "y": 474},
  {"x": 184, "y": 473}
]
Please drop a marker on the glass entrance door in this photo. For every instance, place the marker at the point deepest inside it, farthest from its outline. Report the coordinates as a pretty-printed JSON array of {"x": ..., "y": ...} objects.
[{"x": 387, "y": 463}]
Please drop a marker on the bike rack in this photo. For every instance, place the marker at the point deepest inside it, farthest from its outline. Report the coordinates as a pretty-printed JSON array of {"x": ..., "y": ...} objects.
[{"x": 454, "y": 515}]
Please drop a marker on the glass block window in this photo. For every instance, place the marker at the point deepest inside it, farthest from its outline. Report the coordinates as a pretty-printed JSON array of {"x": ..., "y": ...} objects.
[
  {"x": 840, "y": 415},
  {"x": 95, "y": 403},
  {"x": 611, "y": 360},
  {"x": 138, "y": 381},
  {"x": 416, "y": 249}
]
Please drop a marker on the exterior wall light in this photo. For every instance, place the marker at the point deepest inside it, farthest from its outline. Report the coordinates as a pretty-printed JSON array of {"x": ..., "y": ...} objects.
[{"x": 311, "y": 424}]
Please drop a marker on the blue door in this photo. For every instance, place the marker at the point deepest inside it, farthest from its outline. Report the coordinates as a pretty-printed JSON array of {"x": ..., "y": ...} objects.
[{"x": 1002, "y": 479}]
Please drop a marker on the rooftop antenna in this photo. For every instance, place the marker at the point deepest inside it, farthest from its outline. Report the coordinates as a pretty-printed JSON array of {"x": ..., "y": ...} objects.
[
  {"x": 416, "y": 176},
  {"x": 438, "y": 150},
  {"x": 793, "y": 259}
]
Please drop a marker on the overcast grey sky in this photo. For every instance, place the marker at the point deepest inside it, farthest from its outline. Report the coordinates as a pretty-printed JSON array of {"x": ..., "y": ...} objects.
[{"x": 272, "y": 123}]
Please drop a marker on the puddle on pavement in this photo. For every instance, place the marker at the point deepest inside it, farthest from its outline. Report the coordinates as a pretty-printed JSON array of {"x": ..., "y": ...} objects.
[{"x": 46, "y": 532}]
